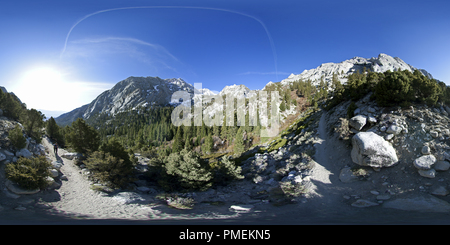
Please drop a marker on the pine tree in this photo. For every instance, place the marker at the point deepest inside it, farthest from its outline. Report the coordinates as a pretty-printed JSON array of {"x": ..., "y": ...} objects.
[
  {"x": 208, "y": 145},
  {"x": 178, "y": 144},
  {"x": 52, "y": 128},
  {"x": 239, "y": 145},
  {"x": 82, "y": 137}
]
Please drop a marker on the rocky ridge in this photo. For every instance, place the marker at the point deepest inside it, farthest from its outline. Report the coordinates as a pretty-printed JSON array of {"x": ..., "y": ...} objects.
[{"x": 381, "y": 64}]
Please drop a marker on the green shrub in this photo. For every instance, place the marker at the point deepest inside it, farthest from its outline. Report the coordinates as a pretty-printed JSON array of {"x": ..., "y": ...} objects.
[
  {"x": 277, "y": 144},
  {"x": 226, "y": 170},
  {"x": 16, "y": 137},
  {"x": 351, "y": 110},
  {"x": 394, "y": 89},
  {"x": 82, "y": 137},
  {"x": 185, "y": 171},
  {"x": 111, "y": 170},
  {"x": 29, "y": 173}
]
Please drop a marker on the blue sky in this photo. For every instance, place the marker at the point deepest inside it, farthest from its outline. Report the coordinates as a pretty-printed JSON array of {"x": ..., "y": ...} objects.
[{"x": 59, "y": 55}]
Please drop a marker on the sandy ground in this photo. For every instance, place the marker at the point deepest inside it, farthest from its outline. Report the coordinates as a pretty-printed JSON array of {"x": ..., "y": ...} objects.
[{"x": 76, "y": 202}]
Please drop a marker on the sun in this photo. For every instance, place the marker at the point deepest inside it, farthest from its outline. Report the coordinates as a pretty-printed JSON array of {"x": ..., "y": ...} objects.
[
  {"x": 38, "y": 86},
  {"x": 43, "y": 76}
]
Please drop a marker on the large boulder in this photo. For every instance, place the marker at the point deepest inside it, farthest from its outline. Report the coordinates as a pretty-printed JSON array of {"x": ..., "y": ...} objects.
[
  {"x": 24, "y": 153},
  {"x": 2, "y": 156},
  {"x": 15, "y": 188},
  {"x": 71, "y": 155},
  {"x": 370, "y": 149},
  {"x": 358, "y": 122}
]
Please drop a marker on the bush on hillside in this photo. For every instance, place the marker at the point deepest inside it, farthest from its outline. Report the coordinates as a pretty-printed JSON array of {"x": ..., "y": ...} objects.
[
  {"x": 397, "y": 88},
  {"x": 17, "y": 138},
  {"x": 394, "y": 89},
  {"x": 29, "y": 173},
  {"x": 110, "y": 170},
  {"x": 184, "y": 171},
  {"x": 226, "y": 171}
]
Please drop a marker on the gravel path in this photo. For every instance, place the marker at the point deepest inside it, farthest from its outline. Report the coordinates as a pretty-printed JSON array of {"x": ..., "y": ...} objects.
[{"x": 78, "y": 200}]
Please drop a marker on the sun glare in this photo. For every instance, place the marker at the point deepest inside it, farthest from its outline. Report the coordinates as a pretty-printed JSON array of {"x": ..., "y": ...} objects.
[
  {"x": 38, "y": 86},
  {"x": 48, "y": 88}
]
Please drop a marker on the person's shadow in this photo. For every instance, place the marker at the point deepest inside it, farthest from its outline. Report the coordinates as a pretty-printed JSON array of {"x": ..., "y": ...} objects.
[{"x": 58, "y": 158}]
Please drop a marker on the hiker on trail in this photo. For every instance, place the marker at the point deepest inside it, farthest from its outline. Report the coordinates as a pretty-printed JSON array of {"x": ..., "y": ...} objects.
[{"x": 55, "y": 148}]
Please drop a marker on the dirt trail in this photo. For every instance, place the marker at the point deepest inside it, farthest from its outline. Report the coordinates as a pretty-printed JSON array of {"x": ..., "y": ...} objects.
[
  {"x": 78, "y": 199},
  {"x": 331, "y": 156}
]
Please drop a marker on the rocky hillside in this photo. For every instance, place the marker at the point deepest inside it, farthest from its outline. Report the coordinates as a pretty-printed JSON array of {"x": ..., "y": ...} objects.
[
  {"x": 381, "y": 63},
  {"x": 135, "y": 92}
]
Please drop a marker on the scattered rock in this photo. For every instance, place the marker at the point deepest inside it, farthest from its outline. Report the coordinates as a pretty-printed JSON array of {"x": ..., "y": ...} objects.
[
  {"x": 370, "y": 149},
  {"x": 54, "y": 173},
  {"x": 372, "y": 120},
  {"x": 440, "y": 191},
  {"x": 241, "y": 208},
  {"x": 2, "y": 156},
  {"x": 426, "y": 150},
  {"x": 20, "y": 208},
  {"x": 358, "y": 122},
  {"x": 13, "y": 187},
  {"x": 375, "y": 192},
  {"x": 420, "y": 203},
  {"x": 128, "y": 197},
  {"x": 394, "y": 129},
  {"x": 383, "y": 197},
  {"x": 442, "y": 166},
  {"x": 430, "y": 173},
  {"x": 424, "y": 162},
  {"x": 143, "y": 189},
  {"x": 24, "y": 153},
  {"x": 362, "y": 203},
  {"x": 52, "y": 184},
  {"x": 434, "y": 134},
  {"x": 347, "y": 176},
  {"x": 71, "y": 155},
  {"x": 389, "y": 136},
  {"x": 57, "y": 165}
]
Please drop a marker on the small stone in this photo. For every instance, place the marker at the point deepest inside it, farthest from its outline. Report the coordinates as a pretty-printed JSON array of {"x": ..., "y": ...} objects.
[
  {"x": 434, "y": 134},
  {"x": 347, "y": 176},
  {"x": 384, "y": 197},
  {"x": 424, "y": 162},
  {"x": 375, "y": 192},
  {"x": 389, "y": 136},
  {"x": 442, "y": 166},
  {"x": 426, "y": 150},
  {"x": 20, "y": 208},
  {"x": 362, "y": 203},
  {"x": 241, "y": 208},
  {"x": 431, "y": 173},
  {"x": 54, "y": 173},
  {"x": 440, "y": 191},
  {"x": 393, "y": 129},
  {"x": 57, "y": 165}
]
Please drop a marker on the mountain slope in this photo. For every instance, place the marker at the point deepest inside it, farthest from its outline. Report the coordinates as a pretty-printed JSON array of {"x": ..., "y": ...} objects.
[
  {"x": 128, "y": 94},
  {"x": 136, "y": 92},
  {"x": 381, "y": 63}
]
